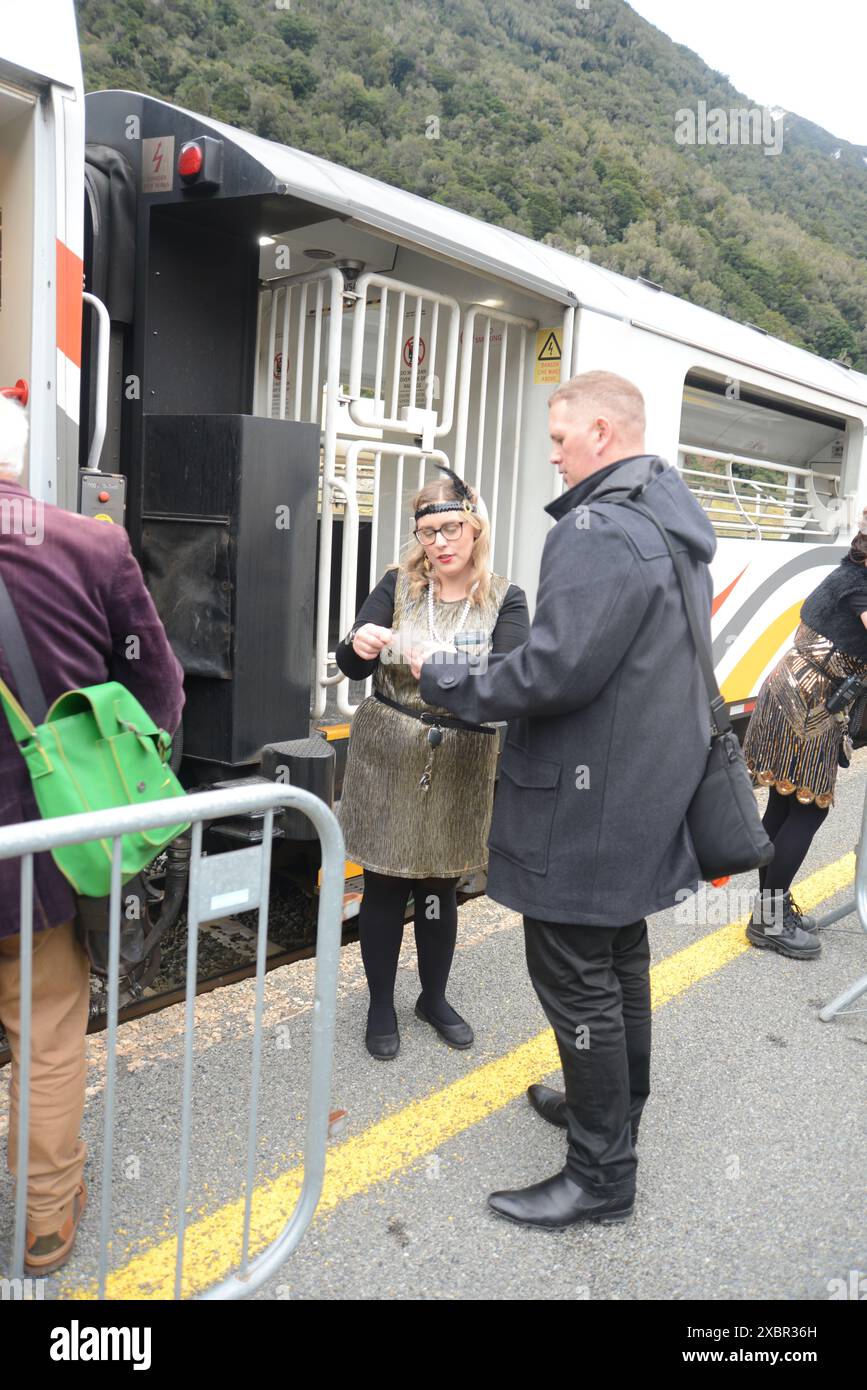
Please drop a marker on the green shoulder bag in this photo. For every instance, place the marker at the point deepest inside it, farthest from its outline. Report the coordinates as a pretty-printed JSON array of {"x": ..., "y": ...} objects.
[{"x": 97, "y": 749}]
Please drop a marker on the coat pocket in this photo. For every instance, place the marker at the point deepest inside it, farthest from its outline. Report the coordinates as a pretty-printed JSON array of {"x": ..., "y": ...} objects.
[{"x": 524, "y": 808}]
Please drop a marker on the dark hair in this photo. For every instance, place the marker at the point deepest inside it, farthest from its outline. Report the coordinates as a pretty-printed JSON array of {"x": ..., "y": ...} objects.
[{"x": 858, "y": 544}]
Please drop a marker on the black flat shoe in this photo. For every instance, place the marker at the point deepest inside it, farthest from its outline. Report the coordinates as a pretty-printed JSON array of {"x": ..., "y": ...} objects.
[
  {"x": 559, "y": 1202},
  {"x": 384, "y": 1046},
  {"x": 551, "y": 1105},
  {"x": 455, "y": 1034}
]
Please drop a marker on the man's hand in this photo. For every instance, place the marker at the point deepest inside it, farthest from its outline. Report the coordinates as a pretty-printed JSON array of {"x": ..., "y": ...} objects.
[
  {"x": 422, "y": 652},
  {"x": 416, "y": 661},
  {"x": 369, "y": 641}
]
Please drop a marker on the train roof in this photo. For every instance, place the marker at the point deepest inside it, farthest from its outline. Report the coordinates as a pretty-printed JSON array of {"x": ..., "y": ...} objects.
[
  {"x": 40, "y": 41},
  {"x": 510, "y": 256}
]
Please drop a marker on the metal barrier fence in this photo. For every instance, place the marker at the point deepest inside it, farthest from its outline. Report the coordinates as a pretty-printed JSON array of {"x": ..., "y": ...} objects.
[
  {"x": 843, "y": 1001},
  {"x": 239, "y": 878}
]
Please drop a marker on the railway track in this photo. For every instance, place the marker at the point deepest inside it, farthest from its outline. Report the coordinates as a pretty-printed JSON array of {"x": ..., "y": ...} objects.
[{"x": 226, "y": 955}]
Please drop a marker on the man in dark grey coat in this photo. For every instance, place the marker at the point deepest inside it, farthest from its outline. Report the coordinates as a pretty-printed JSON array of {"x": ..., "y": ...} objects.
[{"x": 607, "y": 742}]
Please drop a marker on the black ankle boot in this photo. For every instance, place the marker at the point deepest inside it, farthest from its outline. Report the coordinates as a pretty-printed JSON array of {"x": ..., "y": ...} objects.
[
  {"x": 801, "y": 919},
  {"x": 777, "y": 925},
  {"x": 559, "y": 1202},
  {"x": 551, "y": 1105}
]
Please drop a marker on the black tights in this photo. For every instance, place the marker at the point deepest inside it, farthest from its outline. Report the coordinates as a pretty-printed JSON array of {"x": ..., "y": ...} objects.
[
  {"x": 791, "y": 826},
  {"x": 380, "y": 927}
]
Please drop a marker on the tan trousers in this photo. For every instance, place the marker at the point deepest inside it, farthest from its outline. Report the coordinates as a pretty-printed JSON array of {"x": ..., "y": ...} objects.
[{"x": 61, "y": 997}]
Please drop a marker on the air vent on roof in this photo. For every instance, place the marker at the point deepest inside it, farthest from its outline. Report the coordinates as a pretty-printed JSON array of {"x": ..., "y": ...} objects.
[
  {"x": 838, "y": 362},
  {"x": 756, "y": 328},
  {"x": 651, "y": 284}
]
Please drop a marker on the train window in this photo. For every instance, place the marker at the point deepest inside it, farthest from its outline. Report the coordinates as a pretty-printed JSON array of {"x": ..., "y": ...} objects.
[{"x": 762, "y": 466}]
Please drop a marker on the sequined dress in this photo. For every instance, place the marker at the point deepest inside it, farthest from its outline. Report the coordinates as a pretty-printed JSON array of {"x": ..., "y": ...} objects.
[
  {"x": 390, "y": 822},
  {"x": 792, "y": 742}
]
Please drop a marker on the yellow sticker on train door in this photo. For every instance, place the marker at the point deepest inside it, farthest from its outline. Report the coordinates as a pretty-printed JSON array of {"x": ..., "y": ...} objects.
[{"x": 548, "y": 355}]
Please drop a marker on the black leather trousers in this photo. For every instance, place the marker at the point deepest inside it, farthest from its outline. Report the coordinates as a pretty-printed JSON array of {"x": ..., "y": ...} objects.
[{"x": 594, "y": 985}]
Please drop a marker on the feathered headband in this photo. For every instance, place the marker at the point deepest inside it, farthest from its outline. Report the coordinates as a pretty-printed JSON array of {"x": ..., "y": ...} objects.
[{"x": 463, "y": 501}]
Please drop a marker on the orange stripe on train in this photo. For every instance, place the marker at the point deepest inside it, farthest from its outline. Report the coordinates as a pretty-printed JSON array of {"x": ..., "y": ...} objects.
[
  {"x": 721, "y": 598},
  {"x": 70, "y": 281}
]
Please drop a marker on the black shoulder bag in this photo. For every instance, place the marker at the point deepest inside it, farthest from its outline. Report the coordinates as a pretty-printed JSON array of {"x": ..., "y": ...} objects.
[{"x": 723, "y": 817}]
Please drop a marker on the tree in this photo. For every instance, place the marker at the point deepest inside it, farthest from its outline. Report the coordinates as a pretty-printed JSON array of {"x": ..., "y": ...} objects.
[{"x": 297, "y": 32}]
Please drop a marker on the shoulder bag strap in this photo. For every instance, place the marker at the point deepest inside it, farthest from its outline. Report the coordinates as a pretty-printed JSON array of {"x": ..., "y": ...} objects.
[
  {"x": 718, "y": 711},
  {"x": 30, "y": 691}
]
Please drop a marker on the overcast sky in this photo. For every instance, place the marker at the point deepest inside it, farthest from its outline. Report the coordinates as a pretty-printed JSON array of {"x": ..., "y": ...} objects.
[{"x": 808, "y": 56}]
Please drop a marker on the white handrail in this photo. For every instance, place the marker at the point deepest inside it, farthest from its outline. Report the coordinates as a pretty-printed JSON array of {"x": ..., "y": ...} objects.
[
  {"x": 329, "y": 450},
  {"x": 491, "y": 316},
  {"x": 747, "y": 496},
  {"x": 100, "y": 413},
  {"x": 756, "y": 463},
  {"x": 349, "y": 565},
  {"x": 362, "y": 411}
]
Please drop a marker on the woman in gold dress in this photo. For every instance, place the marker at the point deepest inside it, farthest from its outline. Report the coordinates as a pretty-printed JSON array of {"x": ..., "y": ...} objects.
[
  {"x": 418, "y": 789},
  {"x": 794, "y": 744}
]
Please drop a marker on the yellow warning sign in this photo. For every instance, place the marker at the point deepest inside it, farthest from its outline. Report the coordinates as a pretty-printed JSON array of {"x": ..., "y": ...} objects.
[{"x": 548, "y": 354}]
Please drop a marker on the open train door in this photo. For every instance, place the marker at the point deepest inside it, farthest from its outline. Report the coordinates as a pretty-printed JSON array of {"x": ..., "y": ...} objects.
[
  {"x": 420, "y": 379},
  {"x": 41, "y": 161}
]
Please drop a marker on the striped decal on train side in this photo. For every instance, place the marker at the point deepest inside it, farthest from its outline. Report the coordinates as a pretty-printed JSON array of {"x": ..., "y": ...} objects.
[
  {"x": 819, "y": 556},
  {"x": 742, "y": 682}
]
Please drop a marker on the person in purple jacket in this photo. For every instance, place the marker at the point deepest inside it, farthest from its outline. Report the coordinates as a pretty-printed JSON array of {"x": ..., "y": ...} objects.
[{"x": 86, "y": 617}]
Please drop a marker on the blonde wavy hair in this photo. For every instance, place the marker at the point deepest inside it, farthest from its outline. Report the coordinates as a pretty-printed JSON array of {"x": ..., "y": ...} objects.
[{"x": 413, "y": 560}]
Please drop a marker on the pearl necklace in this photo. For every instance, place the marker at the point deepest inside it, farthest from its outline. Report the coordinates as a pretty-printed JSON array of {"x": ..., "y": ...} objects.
[{"x": 435, "y": 637}]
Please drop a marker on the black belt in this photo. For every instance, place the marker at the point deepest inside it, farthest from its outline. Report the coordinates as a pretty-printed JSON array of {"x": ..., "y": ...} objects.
[{"x": 437, "y": 720}]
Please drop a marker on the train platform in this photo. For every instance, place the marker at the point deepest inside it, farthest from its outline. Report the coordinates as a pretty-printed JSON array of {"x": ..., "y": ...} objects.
[{"x": 751, "y": 1172}]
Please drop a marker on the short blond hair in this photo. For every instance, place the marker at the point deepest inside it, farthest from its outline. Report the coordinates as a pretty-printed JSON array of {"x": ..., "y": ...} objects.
[{"x": 611, "y": 395}]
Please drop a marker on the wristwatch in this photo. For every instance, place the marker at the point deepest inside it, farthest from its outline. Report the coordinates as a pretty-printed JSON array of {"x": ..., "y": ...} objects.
[{"x": 351, "y": 633}]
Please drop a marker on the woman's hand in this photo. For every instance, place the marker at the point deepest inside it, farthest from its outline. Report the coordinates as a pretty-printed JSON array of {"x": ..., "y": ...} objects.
[{"x": 369, "y": 641}]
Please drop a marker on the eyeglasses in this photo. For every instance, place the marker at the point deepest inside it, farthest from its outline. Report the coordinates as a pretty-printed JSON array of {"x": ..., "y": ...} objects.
[{"x": 450, "y": 530}]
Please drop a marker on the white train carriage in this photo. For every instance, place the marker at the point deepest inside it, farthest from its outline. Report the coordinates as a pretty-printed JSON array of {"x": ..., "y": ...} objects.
[{"x": 769, "y": 437}]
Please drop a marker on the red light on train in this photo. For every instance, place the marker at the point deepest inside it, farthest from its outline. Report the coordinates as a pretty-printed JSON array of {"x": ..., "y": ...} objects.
[
  {"x": 190, "y": 160},
  {"x": 200, "y": 163}
]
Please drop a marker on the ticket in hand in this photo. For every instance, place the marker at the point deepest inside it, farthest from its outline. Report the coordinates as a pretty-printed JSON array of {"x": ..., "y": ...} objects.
[{"x": 407, "y": 640}]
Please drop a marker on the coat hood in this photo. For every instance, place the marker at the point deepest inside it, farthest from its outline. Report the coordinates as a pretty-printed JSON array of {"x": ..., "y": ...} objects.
[{"x": 664, "y": 492}]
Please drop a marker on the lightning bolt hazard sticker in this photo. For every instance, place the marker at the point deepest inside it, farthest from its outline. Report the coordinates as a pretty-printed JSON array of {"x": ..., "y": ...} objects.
[{"x": 157, "y": 164}]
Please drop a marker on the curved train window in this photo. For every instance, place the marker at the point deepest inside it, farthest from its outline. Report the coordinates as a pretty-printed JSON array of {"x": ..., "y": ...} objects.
[{"x": 762, "y": 466}]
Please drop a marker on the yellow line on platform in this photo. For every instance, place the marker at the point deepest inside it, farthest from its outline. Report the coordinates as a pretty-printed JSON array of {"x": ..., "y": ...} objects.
[{"x": 385, "y": 1149}]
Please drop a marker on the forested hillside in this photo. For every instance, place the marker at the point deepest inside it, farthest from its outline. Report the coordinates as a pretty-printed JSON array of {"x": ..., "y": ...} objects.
[{"x": 550, "y": 119}]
